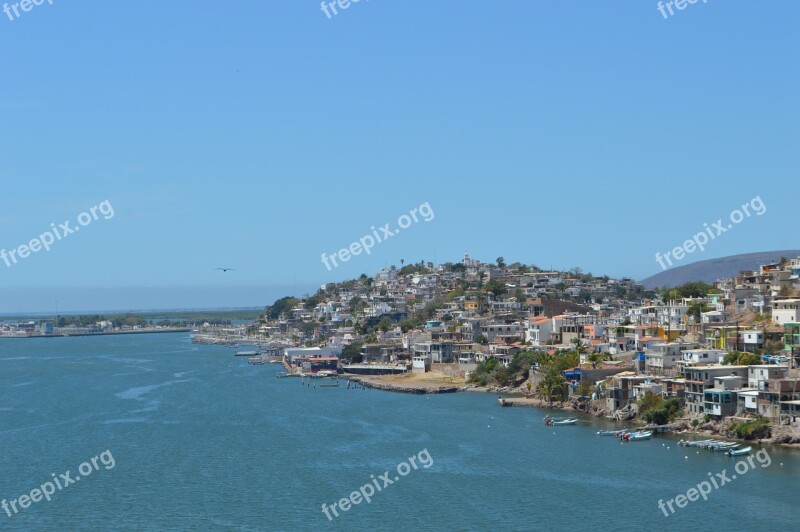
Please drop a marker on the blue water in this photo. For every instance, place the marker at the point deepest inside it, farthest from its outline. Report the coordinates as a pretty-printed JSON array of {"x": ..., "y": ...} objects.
[{"x": 200, "y": 440}]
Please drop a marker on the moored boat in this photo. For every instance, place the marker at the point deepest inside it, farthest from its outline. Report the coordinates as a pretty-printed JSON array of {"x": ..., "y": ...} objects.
[
  {"x": 697, "y": 443},
  {"x": 739, "y": 452},
  {"x": 550, "y": 421},
  {"x": 610, "y": 432},
  {"x": 640, "y": 435},
  {"x": 724, "y": 447}
]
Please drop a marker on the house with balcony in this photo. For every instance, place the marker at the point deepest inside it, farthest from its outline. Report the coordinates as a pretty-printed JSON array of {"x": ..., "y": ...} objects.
[
  {"x": 507, "y": 332},
  {"x": 758, "y": 377},
  {"x": 785, "y": 311},
  {"x": 777, "y": 392},
  {"x": 747, "y": 402},
  {"x": 713, "y": 317},
  {"x": 663, "y": 358},
  {"x": 439, "y": 352},
  {"x": 540, "y": 329},
  {"x": 673, "y": 388},
  {"x": 699, "y": 357},
  {"x": 382, "y": 353},
  {"x": 619, "y": 392},
  {"x": 721, "y": 400},
  {"x": 701, "y": 378}
]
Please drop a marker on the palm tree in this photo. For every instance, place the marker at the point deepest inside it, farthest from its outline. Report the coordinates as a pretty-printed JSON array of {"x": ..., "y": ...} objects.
[
  {"x": 594, "y": 358},
  {"x": 552, "y": 385},
  {"x": 579, "y": 347}
]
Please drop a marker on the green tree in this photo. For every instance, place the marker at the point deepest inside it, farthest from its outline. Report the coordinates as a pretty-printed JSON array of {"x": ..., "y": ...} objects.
[
  {"x": 697, "y": 308},
  {"x": 355, "y": 304},
  {"x": 553, "y": 386},
  {"x": 520, "y": 296},
  {"x": 502, "y": 376},
  {"x": 385, "y": 324},
  {"x": 695, "y": 289},
  {"x": 281, "y": 306},
  {"x": 496, "y": 287},
  {"x": 738, "y": 358},
  {"x": 353, "y": 352}
]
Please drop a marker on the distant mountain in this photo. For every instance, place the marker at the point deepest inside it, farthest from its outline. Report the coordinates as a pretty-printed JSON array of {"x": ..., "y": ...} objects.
[{"x": 710, "y": 270}]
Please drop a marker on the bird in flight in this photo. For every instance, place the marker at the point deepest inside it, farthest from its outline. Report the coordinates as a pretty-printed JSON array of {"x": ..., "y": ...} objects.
[{"x": 225, "y": 269}]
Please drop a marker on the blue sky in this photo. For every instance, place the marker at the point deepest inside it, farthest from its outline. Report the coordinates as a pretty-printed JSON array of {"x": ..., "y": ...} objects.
[{"x": 259, "y": 135}]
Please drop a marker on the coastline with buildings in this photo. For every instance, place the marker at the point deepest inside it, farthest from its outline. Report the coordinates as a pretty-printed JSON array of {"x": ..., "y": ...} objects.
[{"x": 699, "y": 357}]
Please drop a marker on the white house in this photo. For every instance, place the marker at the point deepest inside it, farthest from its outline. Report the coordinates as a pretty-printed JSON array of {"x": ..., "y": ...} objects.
[
  {"x": 701, "y": 357},
  {"x": 539, "y": 330},
  {"x": 752, "y": 339},
  {"x": 786, "y": 311}
]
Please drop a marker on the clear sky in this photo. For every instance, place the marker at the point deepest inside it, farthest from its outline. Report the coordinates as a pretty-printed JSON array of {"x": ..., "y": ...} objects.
[{"x": 258, "y": 135}]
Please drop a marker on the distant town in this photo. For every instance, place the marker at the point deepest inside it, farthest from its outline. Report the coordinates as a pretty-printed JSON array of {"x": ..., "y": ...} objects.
[{"x": 87, "y": 326}]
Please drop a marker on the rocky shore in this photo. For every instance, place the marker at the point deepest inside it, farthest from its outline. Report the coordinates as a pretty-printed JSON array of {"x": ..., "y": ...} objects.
[{"x": 781, "y": 435}]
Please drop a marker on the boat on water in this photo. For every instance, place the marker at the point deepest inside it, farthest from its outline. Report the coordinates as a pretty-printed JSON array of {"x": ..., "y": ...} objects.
[
  {"x": 697, "y": 443},
  {"x": 639, "y": 435},
  {"x": 724, "y": 447},
  {"x": 739, "y": 452},
  {"x": 611, "y": 432},
  {"x": 282, "y": 375},
  {"x": 552, "y": 422}
]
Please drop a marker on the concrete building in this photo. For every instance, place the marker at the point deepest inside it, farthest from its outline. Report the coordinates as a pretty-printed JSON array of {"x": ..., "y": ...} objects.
[
  {"x": 701, "y": 378},
  {"x": 785, "y": 311},
  {"x": 721, "y": 400},
  {"x": 439, "y": 352}
]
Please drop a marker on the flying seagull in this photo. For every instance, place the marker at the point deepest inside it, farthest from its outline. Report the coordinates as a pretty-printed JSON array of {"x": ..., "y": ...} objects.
[{"x": 226, "y": 269}]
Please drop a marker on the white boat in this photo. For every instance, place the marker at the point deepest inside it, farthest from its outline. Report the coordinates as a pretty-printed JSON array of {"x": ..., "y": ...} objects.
[
  {"x": 639, "y": 435},
  {"x": 724, "y": 447},
  {"x": 611, "y": 432},
  {"x": 555, "y": 422},
  {"x": 697, "y": 443},
  {"x": 739, "y": 452}
]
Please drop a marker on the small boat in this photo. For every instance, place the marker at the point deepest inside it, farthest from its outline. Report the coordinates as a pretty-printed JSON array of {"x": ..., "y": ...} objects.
[
  {"x": 711, "y": 444},
  {"x": 282, "y": 375},
  {"x": 724, "y": 447},
  {"x": 608, "y": 432},
  {"x": 563, "y": 422},
  {"x": 640, "y": 435},
  {"x": 257, "y": 361},
  {"x": 739, "y": 452},
  {"x": 697, "y": 443}
]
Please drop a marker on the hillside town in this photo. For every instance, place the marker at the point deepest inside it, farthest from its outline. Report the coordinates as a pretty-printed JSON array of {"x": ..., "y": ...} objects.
[{"x": 714, "y": 352}]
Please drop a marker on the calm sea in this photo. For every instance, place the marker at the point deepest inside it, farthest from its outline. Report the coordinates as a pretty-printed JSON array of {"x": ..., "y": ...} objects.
[{"x": 200, "y": 440}]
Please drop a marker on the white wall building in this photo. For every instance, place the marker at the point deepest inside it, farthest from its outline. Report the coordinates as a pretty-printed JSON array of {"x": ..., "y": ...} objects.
[{"x": 785, "y": 311}]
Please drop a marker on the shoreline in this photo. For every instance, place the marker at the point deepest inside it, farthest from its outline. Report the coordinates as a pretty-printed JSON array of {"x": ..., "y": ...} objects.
[
  {"x": 516, "y": 399},
  {"x": 371, "y": 382},
  {"x": 112, "y": 333}
]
